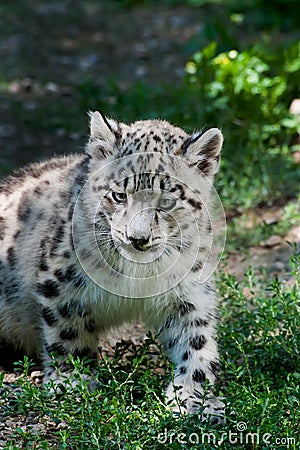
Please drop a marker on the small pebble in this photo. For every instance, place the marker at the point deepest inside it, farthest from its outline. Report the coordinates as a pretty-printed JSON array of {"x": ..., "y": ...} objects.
[{"x": 272, "y": 241}]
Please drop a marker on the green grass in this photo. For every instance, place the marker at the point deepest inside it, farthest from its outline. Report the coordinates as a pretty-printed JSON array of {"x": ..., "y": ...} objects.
[{"x": 259, "y": 345}]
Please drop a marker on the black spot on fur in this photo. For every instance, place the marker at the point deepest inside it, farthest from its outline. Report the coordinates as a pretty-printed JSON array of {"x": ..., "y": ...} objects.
[
  {"x": 11, "y": 257},
  {"x": 72, "y": 242},
  {"x": 179, "y": 191},
  {"x": 199, "y": 376},
  {"x": 68, "y": 334},
  {"x": 199, "y": 323},
  {"x": 160, "y": 169},
  {"x": 215, "y": 421},
  {"x": 11, "y": 288},
  {"x": 208, "y": 288},
  {"x": 66, "y": 254},
  {"x": 169, "y": 322},
  {"x": 65, "y": 275},
  {"x": 211, "y": 146},
  {"x": 173, "y": 342},
  {"x": 64, "y": 310},
  {"x": 198, "y": 395},
  {"x": 198, "y": 342},
  {"x": 24, "y": 209},
  {"x": 38, "y": 191},
  {"x": 70, "y": 212},
  {"x": 50, "y": 372},
  {"x": 84, "y": 352},
  {"x": 48, "y": 289},
  {"x": 59, "y": 273},
  {"x": 57, "y": 347},
  {"x": 196, "y": 404},
  {"x": 79, "y": 281},
  {"x": 197, "y": 266},
  {"x": 214, "y": 367},
  {"x": 49, "y": 316},
  {"x": 186, "y": 356},
  {"x": 71, "y": 308},
  {"x": 204, "y": 166},
  {"x": 195, "y": 204},
  {"x": 58, "y": 237},
  {"x": 2, "y": 227},
  {"x": 17, "y": 234},
  {"x": 90, "y": 326},
  {"x": 125, "y": 183},
  {"x": 188, "y": 141},
  {"x": 43, "y": 266},
  {"x": 182, "y": 370},
  {"x": 186, "y": 307}
]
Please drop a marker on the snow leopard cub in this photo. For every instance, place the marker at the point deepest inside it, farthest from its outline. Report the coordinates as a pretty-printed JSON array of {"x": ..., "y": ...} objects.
[{"x": 119, "y": 233}]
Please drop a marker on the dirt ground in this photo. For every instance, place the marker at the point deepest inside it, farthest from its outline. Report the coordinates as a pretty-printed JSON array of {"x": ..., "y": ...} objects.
[{"x": 47, "y": 48}]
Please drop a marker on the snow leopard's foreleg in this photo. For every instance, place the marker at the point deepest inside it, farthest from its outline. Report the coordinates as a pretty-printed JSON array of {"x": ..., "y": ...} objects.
[{"x": 188, "y": 337}]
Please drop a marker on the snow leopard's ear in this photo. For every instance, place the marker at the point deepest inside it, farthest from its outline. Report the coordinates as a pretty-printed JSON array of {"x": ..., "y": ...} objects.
[
  {"x": 203, "y": 151},
  {"x": 103, "y": 135}
]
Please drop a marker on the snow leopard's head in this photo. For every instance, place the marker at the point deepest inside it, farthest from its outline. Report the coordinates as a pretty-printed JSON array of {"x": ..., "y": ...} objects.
[{"x": 149, "y": 190}]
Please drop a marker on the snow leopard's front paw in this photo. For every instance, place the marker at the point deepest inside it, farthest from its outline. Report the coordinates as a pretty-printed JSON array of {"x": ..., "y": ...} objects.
[
  {"x": 214, "y": 410},
  {"x": 186, "y": 401}
]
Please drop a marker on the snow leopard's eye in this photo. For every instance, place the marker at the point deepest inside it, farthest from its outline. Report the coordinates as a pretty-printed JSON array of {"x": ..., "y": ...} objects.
[
  {"x": 119, "y": 197},
  {"x": 166, "y": 203}
]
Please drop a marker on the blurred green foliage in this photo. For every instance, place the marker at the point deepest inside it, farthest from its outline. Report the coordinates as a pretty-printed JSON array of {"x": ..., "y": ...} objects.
[
  {"x": 263, "y": 13},
  {"x": 246, "y": 93}
]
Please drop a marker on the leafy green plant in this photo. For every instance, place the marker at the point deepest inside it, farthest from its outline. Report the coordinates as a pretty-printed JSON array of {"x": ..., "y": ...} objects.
[{"x": 251, "y": 97}]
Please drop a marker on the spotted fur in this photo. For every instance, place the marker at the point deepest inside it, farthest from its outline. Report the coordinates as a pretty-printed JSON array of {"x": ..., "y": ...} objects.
[{"x": 52, "y": 297}]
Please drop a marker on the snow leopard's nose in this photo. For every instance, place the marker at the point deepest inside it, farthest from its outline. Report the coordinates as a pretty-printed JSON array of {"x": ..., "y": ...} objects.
[{"x": 140, "y": 244}]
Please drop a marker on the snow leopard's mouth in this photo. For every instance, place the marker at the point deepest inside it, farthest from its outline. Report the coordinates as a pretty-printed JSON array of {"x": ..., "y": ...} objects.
[
  {"x": 140, "y": 251},
  {"x": 142, "y": 245},
  {"x": 139, "y": 246}
]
